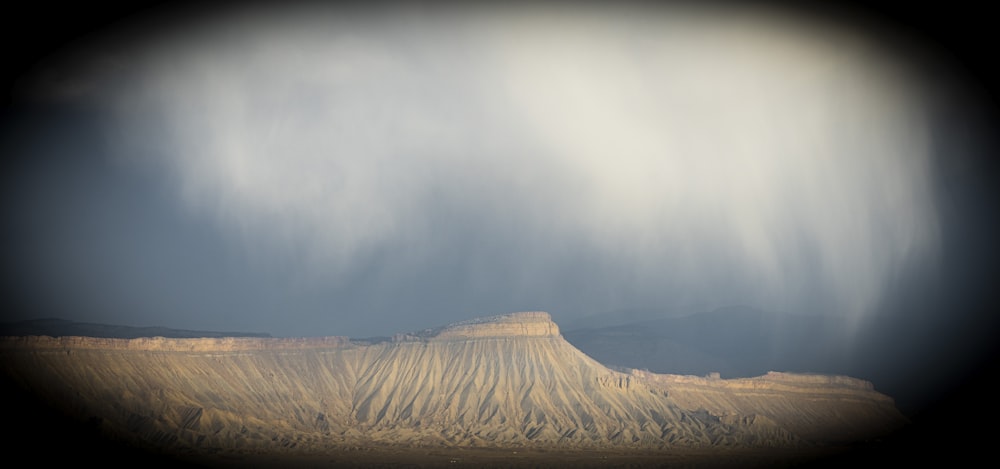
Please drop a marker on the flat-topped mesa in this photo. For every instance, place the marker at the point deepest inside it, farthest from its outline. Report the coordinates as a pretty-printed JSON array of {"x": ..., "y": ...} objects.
[
  {"x": 523, "y": 324},
  {"x": 772, "y": 380},
  {"x": 162, "y": 344}
]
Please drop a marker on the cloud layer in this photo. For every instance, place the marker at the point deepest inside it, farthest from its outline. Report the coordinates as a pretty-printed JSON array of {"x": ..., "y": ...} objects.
[{"x": 557, "y": 160}]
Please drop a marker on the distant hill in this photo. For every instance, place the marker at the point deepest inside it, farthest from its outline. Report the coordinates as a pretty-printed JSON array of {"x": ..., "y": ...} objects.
[
  {"x": 618, "y": 317},
  {"x": 735, "y": 341},
  {"x": 53, "y": 327}
]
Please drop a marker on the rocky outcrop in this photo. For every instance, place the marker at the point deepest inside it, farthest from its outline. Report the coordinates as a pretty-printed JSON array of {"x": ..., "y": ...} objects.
[
  {"x": 522, "y": 324},
  {"x": 525, "y": 324}
]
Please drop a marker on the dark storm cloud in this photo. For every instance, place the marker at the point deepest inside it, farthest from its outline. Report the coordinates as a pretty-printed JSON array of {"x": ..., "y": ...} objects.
[
  {"x": 722, "y": 159},
  {"x": 364, "y": 167}
]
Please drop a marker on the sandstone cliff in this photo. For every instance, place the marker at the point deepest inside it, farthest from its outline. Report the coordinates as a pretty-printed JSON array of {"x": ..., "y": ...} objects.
[
  {"x": 523, "y": 324},
  {"x": 506, "y": 381}
]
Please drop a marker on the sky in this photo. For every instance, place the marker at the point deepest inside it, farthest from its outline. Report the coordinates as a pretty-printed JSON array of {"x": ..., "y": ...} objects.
[{"x": 346, "y": 170}]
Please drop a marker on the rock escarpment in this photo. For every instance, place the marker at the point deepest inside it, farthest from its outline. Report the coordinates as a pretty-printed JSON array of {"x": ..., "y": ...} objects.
[
  {"x": 523, "y": 324},
  {"x": 506, "y": 381},
  {"x": 528, "y": 324}
]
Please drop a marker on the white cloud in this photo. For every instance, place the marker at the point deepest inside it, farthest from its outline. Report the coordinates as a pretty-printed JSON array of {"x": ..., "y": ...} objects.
[{"x": 744, "y": 159}]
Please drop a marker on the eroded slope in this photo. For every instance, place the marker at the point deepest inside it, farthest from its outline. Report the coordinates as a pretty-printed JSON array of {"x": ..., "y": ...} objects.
[{"x": 506, "y": 381}]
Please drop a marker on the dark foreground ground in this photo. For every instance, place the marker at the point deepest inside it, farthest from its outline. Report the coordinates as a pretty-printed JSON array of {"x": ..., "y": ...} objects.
[
  {"x": 45, "y": 436},
  {"x": 498, "y": 458},
  {"x": 953, "y": 430},
  {"x": 897, "y": 449},
  {"x": 85, "y": 447}
]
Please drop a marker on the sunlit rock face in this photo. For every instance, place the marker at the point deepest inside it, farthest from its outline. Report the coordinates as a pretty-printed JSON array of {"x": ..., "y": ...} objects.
[
  {"x": 507, "y": 381},
  {"x": 524, "y": 324}
]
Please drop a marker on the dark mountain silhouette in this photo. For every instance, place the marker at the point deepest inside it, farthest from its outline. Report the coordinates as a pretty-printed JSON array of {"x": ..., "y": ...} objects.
[{"x": 734, "y": 341}]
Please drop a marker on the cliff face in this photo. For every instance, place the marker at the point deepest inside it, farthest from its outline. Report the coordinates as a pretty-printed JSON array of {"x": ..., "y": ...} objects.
[
  {"x": 504, "y": 381},
  {"x": 527, "y": 324}
]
